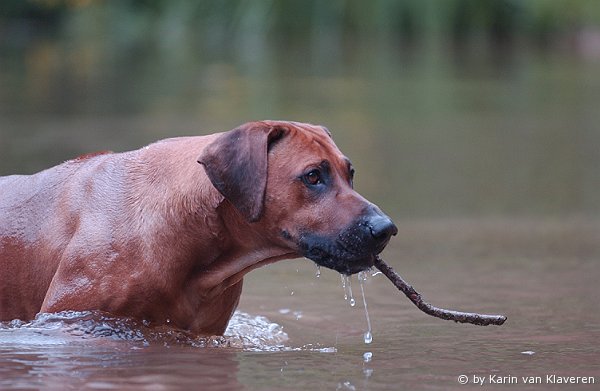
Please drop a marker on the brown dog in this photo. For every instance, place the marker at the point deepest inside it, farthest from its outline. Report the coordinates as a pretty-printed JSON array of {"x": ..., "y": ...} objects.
[{"x": 152, "y": 235}]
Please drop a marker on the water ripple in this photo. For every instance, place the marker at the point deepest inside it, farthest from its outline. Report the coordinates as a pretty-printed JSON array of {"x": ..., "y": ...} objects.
[{"x": 245, "y": 331}]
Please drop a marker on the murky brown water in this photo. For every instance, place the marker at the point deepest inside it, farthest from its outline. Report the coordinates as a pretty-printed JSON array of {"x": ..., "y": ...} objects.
[{"x": 543, "y": 274}]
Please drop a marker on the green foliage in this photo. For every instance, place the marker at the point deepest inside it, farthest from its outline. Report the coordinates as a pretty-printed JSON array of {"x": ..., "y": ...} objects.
[
  {"x": 296, "y": 18},
  {"x": 318, "y": 23}
]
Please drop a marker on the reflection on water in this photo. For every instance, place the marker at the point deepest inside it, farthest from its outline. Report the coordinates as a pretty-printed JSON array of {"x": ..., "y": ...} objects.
[
  {"x": 429, "y": 135},
  {"x": 49, "y": 350}
]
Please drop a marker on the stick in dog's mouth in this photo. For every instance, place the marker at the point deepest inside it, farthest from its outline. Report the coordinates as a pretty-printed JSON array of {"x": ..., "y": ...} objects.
[{"x": 415, "y": 297}]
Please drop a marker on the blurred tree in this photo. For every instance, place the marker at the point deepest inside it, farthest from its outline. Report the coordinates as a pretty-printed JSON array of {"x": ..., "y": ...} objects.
[{"x": 335, "y": 21}]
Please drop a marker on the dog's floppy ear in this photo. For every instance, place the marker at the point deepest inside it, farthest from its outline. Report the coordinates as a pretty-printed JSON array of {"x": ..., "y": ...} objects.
[{"x": 236, "y": 164}]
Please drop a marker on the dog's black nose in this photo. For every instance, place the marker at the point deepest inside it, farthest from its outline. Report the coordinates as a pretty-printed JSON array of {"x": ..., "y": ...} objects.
[{"x": 382, "y": 228}]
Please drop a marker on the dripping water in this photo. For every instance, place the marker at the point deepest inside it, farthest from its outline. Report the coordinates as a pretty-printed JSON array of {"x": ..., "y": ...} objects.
[
  {"x": 350, "y": 295},
  {"x": 362, "y": 277},
  {"x": 318, "y": 272},
  {"x": 346, "y": 284},
  {"x": 344, "y": 278}
]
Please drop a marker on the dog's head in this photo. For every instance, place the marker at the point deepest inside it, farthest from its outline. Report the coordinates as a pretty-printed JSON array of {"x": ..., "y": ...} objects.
[{"x": 290, "y": 181}]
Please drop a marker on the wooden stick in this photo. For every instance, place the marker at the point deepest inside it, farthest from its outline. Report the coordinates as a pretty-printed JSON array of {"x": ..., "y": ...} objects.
[{"x": 415, "y": 297}]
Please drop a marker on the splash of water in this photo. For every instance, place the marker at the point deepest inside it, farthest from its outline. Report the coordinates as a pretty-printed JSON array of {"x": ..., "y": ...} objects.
[
  {"x": 246, "y": 332},
  {"x": 256, "y": 332},
  {"x": 346, "y": 386}
]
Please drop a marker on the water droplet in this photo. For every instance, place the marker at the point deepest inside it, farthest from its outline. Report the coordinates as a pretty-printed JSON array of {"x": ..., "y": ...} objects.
[
  {"x": 367, "y": 356},
  {"x": 346, "y": 386},
  {"x": 352, "y": 302},
  {"x": 368, "y": 337},
  {"x": 284, "y": 311},
  {"x": 318, "y": 272},
  {"x": 292, "y": 293},
  {"x": 528, "y": 352},
  {"x": 362, "y": 276},
  {"x": 168, "y": 321}
]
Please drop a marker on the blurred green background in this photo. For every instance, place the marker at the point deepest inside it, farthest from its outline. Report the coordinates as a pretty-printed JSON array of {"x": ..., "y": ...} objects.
[{"x": 447, "y": 108}]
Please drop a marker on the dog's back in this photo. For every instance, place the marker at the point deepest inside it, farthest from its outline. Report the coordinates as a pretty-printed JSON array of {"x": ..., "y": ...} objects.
[
  {"x": 83, "y": 209},
  {"x": 33, "y": 235}
]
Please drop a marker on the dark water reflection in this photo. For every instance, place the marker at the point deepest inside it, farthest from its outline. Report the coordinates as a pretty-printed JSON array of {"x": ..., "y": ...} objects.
[
  {"x": 117, "y": 367},
  {"x": 434, "y": 137}
]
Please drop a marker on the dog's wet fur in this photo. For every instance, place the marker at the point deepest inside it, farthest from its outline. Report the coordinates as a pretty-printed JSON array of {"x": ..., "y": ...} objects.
[{"x": 152, "y": 234}]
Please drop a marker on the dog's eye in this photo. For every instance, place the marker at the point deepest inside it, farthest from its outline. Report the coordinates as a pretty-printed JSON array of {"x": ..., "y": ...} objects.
[{"x": 312, "y": 178}]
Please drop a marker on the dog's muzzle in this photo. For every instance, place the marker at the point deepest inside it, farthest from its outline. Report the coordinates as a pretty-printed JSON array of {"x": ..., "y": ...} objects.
[{"x": 354, "y": 249}]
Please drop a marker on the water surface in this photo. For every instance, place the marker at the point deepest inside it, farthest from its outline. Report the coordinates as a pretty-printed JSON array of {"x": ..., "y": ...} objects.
[{"x": 542, "y": 274}]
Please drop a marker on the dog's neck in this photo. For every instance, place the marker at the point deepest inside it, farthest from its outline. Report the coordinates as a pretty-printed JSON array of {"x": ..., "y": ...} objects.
[
  {"x": 236, "y": 246},
  {"x": 236, "y": 257}
]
